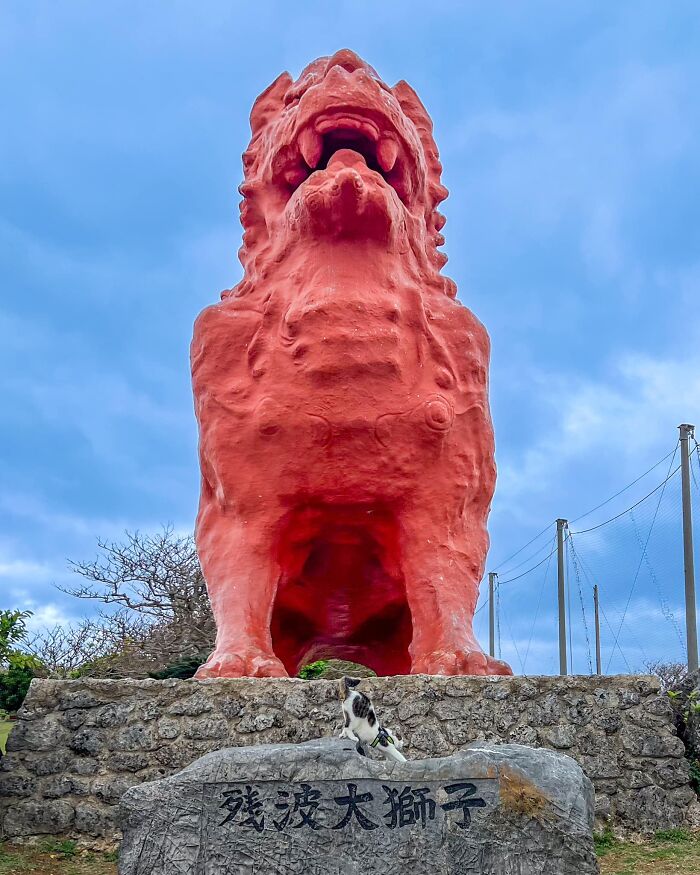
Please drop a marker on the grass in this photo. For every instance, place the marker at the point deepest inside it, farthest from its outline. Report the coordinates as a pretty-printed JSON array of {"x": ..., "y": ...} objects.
[
  {"x": 64, "y": 849},
  {"x": 671, "y": 852},
  {"x": 604, "y": 841},
  {"x": 5, "y": 727},
  {"x": 54, "y": 857}
]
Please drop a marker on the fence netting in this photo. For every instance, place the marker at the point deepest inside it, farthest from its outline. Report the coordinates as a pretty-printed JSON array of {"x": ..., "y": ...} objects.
[{"x": 631, "y": 547}]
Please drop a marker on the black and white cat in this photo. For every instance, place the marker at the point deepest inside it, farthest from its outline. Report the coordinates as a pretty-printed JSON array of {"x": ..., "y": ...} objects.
[{"x": 362, "y": 726}]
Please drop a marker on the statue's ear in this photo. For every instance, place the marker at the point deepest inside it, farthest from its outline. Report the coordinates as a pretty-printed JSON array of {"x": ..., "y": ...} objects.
[
  {"x": 412, "y": 106},
  {"x": 269, "y": 102}
]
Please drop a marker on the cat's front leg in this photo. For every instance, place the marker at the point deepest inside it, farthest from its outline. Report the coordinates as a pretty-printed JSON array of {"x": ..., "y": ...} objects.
[
  {"x": 394, "y": 753},
  {"x": 346, "y": 732}
]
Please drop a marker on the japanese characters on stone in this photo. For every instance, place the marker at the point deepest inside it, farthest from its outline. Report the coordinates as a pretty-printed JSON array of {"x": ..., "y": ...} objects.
[{"x": 384, "y": 806}]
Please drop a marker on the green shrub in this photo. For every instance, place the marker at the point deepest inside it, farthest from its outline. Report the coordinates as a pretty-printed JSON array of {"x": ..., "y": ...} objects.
[
  {"x": 15, "y": 680},
  {"x": 685, "y": 703},
  {"x": 12, "y": 630},
  {"x": 184, "y": 668},
  {"x": 313, "y": 669},
  {"x": 100, "y": 667},
  {"x": 604, "y": 841},
  {"x": 695, "y": 775},
  {"x": 675, "y": 836},
  {"x": 65, "y": 848}
]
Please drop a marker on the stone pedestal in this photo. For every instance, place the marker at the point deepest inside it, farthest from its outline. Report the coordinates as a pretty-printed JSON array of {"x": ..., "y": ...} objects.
[
  {"x": 79, "y": 745},
  {"x": 319, "y": 807}
]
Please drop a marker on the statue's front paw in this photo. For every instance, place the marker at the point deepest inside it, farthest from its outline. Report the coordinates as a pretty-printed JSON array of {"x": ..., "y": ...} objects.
[
  {"x": 249, "y": 664},
  {"x": 459, "y": 662}
]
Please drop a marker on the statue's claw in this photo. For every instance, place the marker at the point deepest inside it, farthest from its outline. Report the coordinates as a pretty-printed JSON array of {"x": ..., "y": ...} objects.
[
  {"x": 460, "y": 662},
  {"x": 251, "y": 663}
]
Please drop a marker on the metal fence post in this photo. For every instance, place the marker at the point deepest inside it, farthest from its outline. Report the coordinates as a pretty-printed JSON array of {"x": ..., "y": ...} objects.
[
  {"x": 492, "y": 613},
  {"x": 598, "y": 669},
  {"x": 691, "y": 624},
  {"x": 561, "y": 525}
]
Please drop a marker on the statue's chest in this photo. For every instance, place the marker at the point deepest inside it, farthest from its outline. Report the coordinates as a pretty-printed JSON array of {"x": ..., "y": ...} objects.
[{"x": 332, "y": 333}]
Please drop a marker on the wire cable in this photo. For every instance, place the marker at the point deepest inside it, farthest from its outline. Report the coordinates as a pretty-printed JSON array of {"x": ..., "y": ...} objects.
[
  {"x": 695, "y": 452},
  {"x": 537, "y": 609},
  {"x": 663, "y": 601},
  {"x": 498, "y": 616},
  {"x": 541, "y": 562},
  {"x": 567, "y": 582},
  {"x": 513, "y": 641},
  {"x": 587, "y": 513},
  {"x": 481, "y": 607},
  {"x": 615, "y": 644},
  {"x": 651, "y": 527},
  {"x": 547, "y": 558},
  {"x": 636, "y": 504},
  {"x": 589, "y": 574},
  {"x": 529, "y": 558},
  {"x": 517, "y": 552},
  {"x": 624, "y": 489},
  {"x": 575, "y": 563}
]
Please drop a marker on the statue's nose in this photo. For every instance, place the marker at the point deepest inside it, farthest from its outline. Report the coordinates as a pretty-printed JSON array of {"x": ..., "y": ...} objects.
[{"x": 346, "y": 59}]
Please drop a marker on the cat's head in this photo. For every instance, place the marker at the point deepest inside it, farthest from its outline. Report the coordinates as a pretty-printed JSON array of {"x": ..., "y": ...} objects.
[{"x": 345, "y": 686}]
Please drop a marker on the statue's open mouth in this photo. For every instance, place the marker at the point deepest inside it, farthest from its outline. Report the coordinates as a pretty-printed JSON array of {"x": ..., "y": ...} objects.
[{"x": 382, "y": 150}]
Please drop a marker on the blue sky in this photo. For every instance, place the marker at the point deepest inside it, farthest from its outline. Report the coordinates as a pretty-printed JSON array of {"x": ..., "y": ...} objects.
[{"x": 569, "y": 134}]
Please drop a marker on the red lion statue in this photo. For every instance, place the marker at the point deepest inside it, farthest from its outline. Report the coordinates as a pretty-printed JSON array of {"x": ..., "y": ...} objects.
[{"x": 346, "y": 445}]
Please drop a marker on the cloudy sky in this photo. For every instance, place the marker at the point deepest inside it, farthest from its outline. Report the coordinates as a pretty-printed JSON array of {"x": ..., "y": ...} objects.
[{"x": 569, "y": 135}]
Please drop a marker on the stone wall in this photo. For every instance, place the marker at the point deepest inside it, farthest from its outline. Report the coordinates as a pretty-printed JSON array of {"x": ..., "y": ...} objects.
[{"x": 78, "y": 745}]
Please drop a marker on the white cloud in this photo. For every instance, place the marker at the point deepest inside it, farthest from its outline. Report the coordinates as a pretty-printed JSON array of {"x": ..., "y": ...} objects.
[
  {"x": 46, "y": 616},
  {"x": 91, "y": 403},
  {"x": 578, "y": 158},
  {"x": 41, "y": 514},
  {"x": 638, "y": 405},
  {"x": 78, "y": 400},
  {"x": 22, "y": 569}
]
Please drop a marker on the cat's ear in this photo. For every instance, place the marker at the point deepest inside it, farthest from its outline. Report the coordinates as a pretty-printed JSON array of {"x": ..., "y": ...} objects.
[{"x": 351, "y": 683}]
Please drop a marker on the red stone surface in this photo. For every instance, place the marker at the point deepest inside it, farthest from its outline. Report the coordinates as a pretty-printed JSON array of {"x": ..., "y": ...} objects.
[{"x": 346, "y": 446}]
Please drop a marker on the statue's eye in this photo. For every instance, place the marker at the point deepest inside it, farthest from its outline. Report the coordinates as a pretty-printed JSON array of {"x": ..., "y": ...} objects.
[{"x": 294, "y": 95}]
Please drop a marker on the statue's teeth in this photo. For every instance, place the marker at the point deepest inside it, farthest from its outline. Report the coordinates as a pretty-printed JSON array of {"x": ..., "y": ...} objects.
[
  {"x": 311, "y": 146},
  {"x": 387, "y": 153}
]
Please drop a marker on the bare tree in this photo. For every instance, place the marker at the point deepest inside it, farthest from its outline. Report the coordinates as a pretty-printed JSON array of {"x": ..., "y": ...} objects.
[
  {"x": 63, "y": 649},
  {"x": 163, "y": 612},
  {"x": 109, "y": 645},
  {"x": 671, "y": 674}
]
